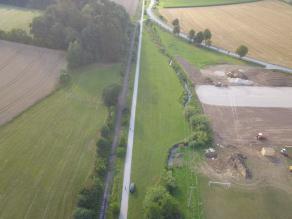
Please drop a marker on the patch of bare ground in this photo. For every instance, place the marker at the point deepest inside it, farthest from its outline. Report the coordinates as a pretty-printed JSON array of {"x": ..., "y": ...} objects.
[
  {"x": 235, "y": 128},
  {"x": 27, "y": 74},
  {"x": 129, "y": 5},
  {"x": 219, "y": 73}
]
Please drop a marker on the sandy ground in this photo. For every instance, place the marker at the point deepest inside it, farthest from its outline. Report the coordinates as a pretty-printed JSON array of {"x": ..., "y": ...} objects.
[
  {"x": 264, "y": 27},
  {"x": 27, "y": 74},
  {"x": 129, "y": 5}
]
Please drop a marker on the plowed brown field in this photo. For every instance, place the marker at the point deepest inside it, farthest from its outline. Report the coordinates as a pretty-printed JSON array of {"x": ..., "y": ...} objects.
[
  {"x": 265, "y": 27},
  {"x": 27, "y": 74}
]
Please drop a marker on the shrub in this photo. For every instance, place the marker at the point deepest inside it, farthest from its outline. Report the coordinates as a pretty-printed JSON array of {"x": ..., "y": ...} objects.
[
  {"x": 121, "y": 152},
  {"x": 110, "y": 95},
  {"x": 159, "y": 204},
  {"x": 168, "y": 180},
  {"x": 199, "y": 122},
  {"x": 105, "y": 131},
  {"x": 200, "y": 139},
  {"x": 65, "y": 78},
  {"x": 103, "y": 146},
  {"x": 83, "y": 213},
  {"x": 115, "y": 208}
]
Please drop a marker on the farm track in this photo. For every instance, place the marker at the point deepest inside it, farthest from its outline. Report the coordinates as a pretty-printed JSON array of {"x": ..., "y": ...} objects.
[{"x": 27, "y": 74}]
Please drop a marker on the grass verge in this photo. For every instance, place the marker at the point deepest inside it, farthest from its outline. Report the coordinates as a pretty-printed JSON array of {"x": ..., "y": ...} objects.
[
  {"x": 159, "y": 122},
  {"x": 48, "y": 152}
]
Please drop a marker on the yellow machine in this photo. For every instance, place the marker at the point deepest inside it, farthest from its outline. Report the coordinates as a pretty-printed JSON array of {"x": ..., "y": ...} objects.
[{"x": 290, "y": 168}]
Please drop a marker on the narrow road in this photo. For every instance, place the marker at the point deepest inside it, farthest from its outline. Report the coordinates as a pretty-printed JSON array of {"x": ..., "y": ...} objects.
[
  {"x": 128, "y": 160},
  {"x": 118, "y": 122},
  {"x": 165, "y": 26}
]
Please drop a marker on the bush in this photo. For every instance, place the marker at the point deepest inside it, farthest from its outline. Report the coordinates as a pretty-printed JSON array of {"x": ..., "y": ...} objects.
[
  {"x": 83, "y": 213},
  {"x": 168, "y": 180},
  {"x": 200, "y": 139},
  {"x": 159, "y": 204},
  {"x": 105, "y": 131},
  {"x": 115, "y": 208},
  {"x": 110, "y": 95},
  {"x": 121, "y": 152},
  {"x": 199, "y": 122},
  {"x": 103, "y": 146},
  {"x": 65, "y": 78}
]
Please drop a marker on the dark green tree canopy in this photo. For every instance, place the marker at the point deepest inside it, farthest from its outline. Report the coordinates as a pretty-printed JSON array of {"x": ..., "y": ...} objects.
[
  {"x": 110, "y": 95},
  {"x": 207, "y": 34},
  {"x": 241, "y": 51},
  {"x": 159, "y": 204},
  {"x": 92, "y": 31}
]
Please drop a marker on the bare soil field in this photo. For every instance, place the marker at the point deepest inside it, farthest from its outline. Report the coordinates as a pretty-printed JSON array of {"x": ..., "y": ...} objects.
[
  {"x": 264, "y": 27},
  {"x": 129, "y": 5},
  {"x": 27, "y": 74},
  {"x": 235, "y": 130}
]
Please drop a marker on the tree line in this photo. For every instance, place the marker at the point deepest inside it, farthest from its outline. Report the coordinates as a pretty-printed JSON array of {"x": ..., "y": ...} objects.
[
  {"x": 90, "y": 31},
  {"x": 204, "y": 36}
]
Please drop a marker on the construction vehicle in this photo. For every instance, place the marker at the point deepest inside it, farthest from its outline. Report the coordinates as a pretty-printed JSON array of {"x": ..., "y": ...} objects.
[
  {"x": 290, "y": 168},
  {"x": 287, "y": 151},
  {"x": 260, "y": 136}
]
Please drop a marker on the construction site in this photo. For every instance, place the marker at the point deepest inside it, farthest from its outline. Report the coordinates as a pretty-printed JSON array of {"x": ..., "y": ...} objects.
[{"x": 251, "y": 118}]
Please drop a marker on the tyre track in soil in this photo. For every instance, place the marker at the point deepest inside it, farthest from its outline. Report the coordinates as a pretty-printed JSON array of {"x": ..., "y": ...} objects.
[{"x": 120, "y": 107}]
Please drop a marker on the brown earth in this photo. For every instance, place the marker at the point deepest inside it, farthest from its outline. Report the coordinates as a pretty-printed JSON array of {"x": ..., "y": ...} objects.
[
  {"x": 129, "y": 5},
  {"x": 235, "y": 130},
  {"x": 217, "y": 73},
  {"x": 27, "y": 74},
  {"x": 264, "y": 27}
]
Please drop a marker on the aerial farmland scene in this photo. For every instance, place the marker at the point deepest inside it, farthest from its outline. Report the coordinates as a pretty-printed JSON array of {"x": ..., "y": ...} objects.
[{"x": 145, "y": 109}]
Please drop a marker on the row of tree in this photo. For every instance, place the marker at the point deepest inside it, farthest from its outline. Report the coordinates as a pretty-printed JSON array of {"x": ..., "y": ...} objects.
[
  {"x": 198, "y": 38},
  {"x": 205, "y": 36}
]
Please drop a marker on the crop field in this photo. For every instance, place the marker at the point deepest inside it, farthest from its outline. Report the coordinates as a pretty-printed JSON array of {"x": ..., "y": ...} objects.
[
  {"x": 14, "y": 17},
  {"x": 47, "y": 153},
  {"x": 264, "y": 27},
  {"x": 129, "y": 5},
  {"x": 198, "y": 3},
  {"x": 27, "y": 74},
  {"x": 159, "y": 122}
]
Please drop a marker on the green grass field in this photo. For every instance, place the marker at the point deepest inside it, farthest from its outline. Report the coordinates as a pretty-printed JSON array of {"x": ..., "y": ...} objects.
[
  {"x": 197, "y": 3},
  {"x": 196, "y": 56},
  {"x": 159, "y": 122},
  {"x": 14, "y": 17},
  {"x": 47, "y": 153},
  {"x": 265, "y": 202}
]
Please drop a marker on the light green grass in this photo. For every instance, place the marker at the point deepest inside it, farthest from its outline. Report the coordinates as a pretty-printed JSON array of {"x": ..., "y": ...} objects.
[
  {"x": 14, "y": 17},
  {"x": 263, "y": 203},
  {"x": 197, "y": 3},
  {"x": 159, "y": 122},
  {"x": 47, "y": 153},
  {"x": 196, "y": 56}
]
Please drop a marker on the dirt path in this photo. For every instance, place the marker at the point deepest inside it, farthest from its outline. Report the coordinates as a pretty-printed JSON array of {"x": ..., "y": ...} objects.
[{"x": 120, "y": 108}]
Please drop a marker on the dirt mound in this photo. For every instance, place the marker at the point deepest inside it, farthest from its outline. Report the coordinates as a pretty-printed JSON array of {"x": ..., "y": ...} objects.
[{"x": 237, "y": 164}]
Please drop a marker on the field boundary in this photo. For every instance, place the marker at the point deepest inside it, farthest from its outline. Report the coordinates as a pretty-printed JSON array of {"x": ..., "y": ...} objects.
[
  {"x": 152, "y": 16},
  {"x": 212, "y": 5}
]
